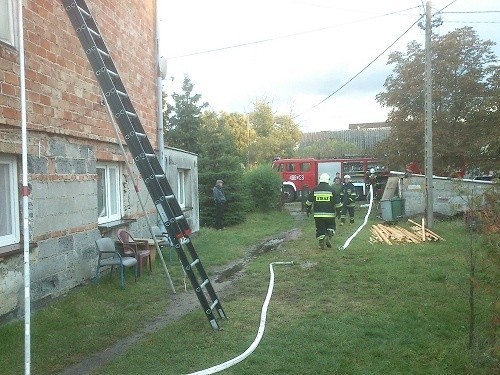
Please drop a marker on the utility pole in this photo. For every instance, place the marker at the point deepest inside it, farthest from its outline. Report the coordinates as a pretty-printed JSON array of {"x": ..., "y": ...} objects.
[{"x": 429, "y": 198}]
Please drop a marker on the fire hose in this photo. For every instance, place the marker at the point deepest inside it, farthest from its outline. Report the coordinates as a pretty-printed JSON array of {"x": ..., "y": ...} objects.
[
  {"x": 260, "y": 332},
  {"x": 348, "y": 241}
]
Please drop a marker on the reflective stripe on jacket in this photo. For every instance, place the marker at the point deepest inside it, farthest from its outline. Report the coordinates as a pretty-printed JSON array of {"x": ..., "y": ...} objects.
[{"x": 322, "y": 200}]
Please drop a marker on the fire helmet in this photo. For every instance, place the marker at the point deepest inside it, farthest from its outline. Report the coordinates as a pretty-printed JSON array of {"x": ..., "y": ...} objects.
[
  {"x": 325, "y": 177},
  {"x": 347, "y": 177}
]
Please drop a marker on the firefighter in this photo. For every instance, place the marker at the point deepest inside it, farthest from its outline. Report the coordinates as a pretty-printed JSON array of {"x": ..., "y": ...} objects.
[
  {"x": 348, "y": 195},
  {"x": 321, "y": 201},
  {"x": 337, "y": 189}
]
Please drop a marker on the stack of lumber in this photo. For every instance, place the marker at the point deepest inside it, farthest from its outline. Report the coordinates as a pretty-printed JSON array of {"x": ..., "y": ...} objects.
[{"x": 388, "y": 234}]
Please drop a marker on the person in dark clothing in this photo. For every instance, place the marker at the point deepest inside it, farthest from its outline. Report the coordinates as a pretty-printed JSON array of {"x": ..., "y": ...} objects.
[
  {"x": 321, "y": 201},
  {"x": 348, "y": 200},
  {"x": 220, "y": 204},
  {"x": 337, "y": 189}
]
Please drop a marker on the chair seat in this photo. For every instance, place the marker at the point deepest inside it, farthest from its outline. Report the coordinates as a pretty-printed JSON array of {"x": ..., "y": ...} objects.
[
  {"x": 110, "y": 257},
  {"x": 132, "y": 247},
  {"x": 126, "y": 261}
]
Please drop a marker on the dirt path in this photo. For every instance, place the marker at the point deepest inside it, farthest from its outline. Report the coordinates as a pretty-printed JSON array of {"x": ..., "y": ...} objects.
[{"x": 181, "y": 304}]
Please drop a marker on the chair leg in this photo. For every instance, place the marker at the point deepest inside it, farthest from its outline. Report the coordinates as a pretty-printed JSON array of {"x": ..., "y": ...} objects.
[
  {"x": 150, "y": 266},
  {"x": 122, "y": 282},
  {"x": 139, "y": 265},
  {"x": 96, "y": 279}
]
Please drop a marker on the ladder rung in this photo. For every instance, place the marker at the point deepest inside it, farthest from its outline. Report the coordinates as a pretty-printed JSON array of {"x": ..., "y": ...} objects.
[
  {"x": 196, "y": 261},
  {"x": 202, "y": 285},
  {"x": 215, "y": 303},
  {"x": 162, "y": 176},
  {"x": 171, "y": 196},
  {"x": 140, "y": 135},
  {"x": 84, "y": 12},
  {"x": 131, "y": 114},
  {"x": 183, "y": 240},
  {"x": 106, "y": 55},
  {"x": 111, "y": 73},
  {"x": 95, "y": 34},
  {"x": 151, "y": 155},
  {"x": 121, "y": 93},
  {"x": 180, "y": 217}
]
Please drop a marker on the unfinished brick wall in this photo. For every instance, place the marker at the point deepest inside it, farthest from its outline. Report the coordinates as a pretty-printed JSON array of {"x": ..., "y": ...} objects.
[
  {"x": 62, "y": 94},
  {"x": 69, "y": 131}
]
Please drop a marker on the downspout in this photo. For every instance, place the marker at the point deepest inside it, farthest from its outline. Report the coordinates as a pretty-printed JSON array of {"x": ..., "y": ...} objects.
[
  {"x": 25, "y": 193},
  {"x": 161, "y": 72}
]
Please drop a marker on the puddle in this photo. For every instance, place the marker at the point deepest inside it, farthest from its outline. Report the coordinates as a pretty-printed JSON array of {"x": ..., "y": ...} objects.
[{"x": 265, "y": 247}]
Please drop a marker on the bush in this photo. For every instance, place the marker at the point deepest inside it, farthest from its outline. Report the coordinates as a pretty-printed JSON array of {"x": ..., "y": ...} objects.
[{"x": 263, "y": 185}]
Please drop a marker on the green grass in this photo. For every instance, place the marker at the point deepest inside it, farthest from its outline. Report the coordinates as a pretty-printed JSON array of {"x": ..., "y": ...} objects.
[{"x": 371, "y": 309}]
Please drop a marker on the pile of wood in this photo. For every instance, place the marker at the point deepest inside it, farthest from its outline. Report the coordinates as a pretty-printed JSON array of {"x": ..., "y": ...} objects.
[{"x": 388, "y": 234}]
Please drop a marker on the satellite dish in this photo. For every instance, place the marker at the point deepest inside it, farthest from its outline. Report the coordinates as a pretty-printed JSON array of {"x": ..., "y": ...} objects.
[{"x": 163, "y": 67}]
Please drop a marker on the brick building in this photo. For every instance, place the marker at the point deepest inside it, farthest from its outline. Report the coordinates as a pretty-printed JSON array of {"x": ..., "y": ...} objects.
[{"x": 80, "y": 188}]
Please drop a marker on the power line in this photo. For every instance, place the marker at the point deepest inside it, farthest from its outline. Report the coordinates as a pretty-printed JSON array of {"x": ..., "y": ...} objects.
[
  {"x": 362, "y": 70},
  {"x": 285, "y": 36}
]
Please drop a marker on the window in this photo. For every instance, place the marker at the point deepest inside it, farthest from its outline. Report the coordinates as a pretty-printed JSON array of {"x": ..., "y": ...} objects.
[
  {"x": 290, "y": 167},
  {"x": 305, "y": 167},
  {"x": 7, "y": 21},
  {"x": 109, "y": 198},
  {"x": 181, "y": 187},
  {"x": 9, "y": 204}
]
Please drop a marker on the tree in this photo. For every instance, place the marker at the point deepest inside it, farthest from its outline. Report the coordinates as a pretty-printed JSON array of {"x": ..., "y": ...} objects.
[
  {"x": 182, "y": 122},
  {"x": 275, "y": 135},
  {"x": 239, "y": 127},
  {"x": 220, "y": 159},
  {"x": 465, "y": 102}
]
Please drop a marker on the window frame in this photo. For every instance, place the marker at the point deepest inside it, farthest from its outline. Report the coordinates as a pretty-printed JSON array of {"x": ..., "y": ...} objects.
[
  {"x": 182, "y": 175},
  {"x": 110, "y": 189},
  {"x": 9, "y": 20},
  {"x": 12, "y": 180}
]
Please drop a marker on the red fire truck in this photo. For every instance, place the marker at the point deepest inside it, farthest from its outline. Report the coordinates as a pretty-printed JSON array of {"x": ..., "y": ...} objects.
[{"x": 301, "y": 175}]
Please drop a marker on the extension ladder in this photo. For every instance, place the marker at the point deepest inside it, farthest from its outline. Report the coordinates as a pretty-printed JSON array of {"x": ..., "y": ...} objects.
[{"x": 144, "y": 157}]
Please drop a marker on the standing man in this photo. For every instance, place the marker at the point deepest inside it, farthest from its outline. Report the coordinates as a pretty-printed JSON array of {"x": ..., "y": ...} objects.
[
  {"x": 348, "y": 200},
  {"x": 322, "y": 201},
  {"x": 220, "y": 204}
]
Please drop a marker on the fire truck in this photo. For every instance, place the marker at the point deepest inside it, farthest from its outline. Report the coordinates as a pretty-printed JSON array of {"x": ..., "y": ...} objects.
[{"x": 299, "y": 176}]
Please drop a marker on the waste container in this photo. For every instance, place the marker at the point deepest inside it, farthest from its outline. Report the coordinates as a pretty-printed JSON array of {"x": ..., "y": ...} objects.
[
  {"x": 392, "y": 209},
  {"x": 397, "y": 205}
]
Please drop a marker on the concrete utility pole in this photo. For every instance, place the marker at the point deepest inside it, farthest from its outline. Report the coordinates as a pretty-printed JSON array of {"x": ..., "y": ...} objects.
[{"x": 429, "y": 207}]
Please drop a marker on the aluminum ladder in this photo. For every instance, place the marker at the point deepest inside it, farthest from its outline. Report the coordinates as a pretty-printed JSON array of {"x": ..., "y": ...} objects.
[{"x": 144, "y": 157}]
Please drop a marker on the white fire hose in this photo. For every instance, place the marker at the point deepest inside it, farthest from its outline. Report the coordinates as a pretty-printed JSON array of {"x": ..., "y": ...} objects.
[
  {"x": 260, "y": 332},
  {"x": 348, "y": 241}
]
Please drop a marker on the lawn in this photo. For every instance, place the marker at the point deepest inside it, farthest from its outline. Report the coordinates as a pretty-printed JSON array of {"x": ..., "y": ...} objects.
[{"x": 370, "y": 309}]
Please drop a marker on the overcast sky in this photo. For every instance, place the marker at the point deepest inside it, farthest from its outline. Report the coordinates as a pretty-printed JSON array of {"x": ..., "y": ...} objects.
[{"x": 296, "y": 53}]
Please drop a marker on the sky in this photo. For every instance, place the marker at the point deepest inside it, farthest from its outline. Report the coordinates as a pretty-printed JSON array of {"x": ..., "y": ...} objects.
[{"x": 320, "y": 61}]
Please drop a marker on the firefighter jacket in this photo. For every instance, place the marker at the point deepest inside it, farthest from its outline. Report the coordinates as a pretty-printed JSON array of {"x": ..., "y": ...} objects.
[
  {"x": 322, "y": 200},
  {"x": 337, "y": 189},
  {"x": 348, "y": 194}
]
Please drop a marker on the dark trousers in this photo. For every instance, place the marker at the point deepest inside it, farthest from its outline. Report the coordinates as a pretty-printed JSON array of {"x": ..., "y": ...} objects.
[
  {"x": 219, "y": 214},
  {"x": 322, "y": 224},
  {"x": 345, "y": 210}
]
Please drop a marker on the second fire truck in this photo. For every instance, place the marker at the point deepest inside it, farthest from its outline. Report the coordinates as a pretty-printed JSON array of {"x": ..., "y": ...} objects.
[{"x": 301, "y": 175}]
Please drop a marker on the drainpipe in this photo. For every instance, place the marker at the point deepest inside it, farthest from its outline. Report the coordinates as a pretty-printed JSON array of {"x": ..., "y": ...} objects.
[
  {"x": 26, "y": 232},
  {"x": 161, "y": 73}
]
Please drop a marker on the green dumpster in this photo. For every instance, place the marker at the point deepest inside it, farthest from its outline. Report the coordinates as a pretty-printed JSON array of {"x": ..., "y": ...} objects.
[{"x": 392, "y": 209}]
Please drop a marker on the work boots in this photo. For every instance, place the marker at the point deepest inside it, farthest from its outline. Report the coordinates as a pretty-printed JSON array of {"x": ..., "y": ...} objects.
[
  {"x": 322, "y": 243},
  {"x": 329, "y": 236}
]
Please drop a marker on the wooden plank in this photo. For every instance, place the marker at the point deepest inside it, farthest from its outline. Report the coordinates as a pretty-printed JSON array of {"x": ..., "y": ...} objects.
[
  {"x": 382, "y": 235},
  {"x": 390, "y": 188}
]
